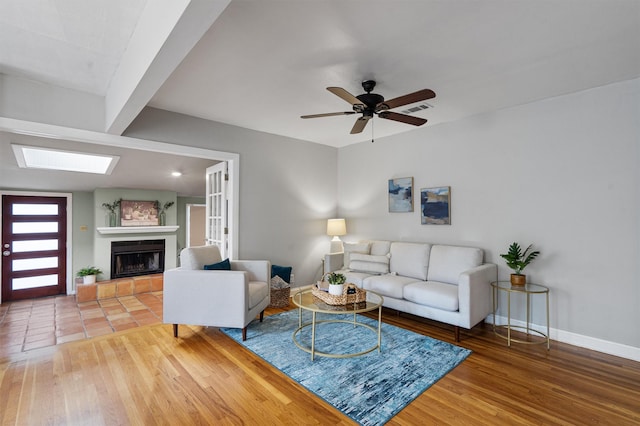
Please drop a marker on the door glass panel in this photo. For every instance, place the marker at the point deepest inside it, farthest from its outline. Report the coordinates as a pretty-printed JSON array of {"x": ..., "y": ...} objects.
[
  {"x": 30, "y": 264},
  {"x": 34, "y": 245},
  {"x": 31, "y": 282},
  {"x": 35, "y": 209},
  {"x": 34, "y": 227}
]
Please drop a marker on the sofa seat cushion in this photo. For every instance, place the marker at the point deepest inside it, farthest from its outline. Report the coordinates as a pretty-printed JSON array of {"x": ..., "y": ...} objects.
[
  {"x": 434, "y": 294},
  {"x": 258, "y": 290},
  {"x": 387, "y": 285}
]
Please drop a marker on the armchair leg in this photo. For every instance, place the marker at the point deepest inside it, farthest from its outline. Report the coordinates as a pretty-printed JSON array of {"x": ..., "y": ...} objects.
[
  {"x": 457, "y": 333},
  {"x": 175, "y": 330},
  {"x": 261, "y": 315},
  {"x": 244, "y": 333}
]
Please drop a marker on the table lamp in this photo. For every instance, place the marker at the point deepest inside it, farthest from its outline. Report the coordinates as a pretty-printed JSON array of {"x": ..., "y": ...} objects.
[{"x": 335, "y": 228}]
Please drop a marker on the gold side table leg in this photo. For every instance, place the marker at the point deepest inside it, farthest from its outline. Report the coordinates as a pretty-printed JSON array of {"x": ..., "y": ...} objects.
[
  {"x": 313, "y": 334},
  {"x": 528, "y": 311},
  {"x": 548, "y": 337},
  {"x": 509, "y": 318},
  {"x": 379, "y": 328}
]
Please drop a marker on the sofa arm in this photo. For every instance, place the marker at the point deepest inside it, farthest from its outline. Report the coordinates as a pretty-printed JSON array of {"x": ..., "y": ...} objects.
[
  {"x": 333, "y": 262},
  {"x": 259, "y": 270},
  {"x": 474, "y": 293}
]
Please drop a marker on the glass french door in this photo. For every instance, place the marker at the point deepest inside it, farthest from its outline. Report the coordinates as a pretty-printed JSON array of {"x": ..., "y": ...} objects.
[
  {"x": 34, "y": 241},
  {"x": 217, "y": 208}
]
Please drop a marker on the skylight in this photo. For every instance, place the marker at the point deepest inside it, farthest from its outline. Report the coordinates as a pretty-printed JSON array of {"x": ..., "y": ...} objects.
[{"x": 35, "y": 157}]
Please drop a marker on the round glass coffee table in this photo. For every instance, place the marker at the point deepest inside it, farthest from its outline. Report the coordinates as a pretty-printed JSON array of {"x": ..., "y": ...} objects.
[{"x": 306, "y": 301}]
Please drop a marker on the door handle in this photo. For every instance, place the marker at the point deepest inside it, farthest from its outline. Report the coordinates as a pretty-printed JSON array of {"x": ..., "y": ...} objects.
[{"x": 6, "y": 253}]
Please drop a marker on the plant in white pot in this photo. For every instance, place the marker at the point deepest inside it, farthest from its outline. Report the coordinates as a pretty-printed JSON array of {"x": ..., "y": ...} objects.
[
  {"x": 89, "y": 274},
  {"x": 336, "y": 283},
  {"x": 517, "y": 260}
]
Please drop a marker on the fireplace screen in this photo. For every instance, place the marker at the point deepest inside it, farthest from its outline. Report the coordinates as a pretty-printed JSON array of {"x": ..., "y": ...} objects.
[{"x": 132, "y": 258}]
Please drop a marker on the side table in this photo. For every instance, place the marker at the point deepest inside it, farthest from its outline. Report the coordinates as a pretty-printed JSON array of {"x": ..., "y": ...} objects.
[{"x": 528, "y": 290}]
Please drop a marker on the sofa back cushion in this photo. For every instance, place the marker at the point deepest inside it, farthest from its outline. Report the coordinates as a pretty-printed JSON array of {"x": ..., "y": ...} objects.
[
  {"x": 380, "y": 248},
  {"x": 369, "y": 263},
  {"x": 446, "y": 263},
  {"x": 362, "y": 247},
  {"x": 196, "y": 257},
  {"x": 410, "y": 259}
]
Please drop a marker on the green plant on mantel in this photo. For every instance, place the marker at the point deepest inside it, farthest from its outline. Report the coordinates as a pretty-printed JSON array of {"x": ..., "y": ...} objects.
[
  {"x": 164, "y": 207},
  {"x": 89, "y": 270},
  {"x": 112, "y": 207}
]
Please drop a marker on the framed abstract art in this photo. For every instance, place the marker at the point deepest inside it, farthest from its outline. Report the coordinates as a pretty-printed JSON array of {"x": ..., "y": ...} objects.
[{"x": 435, "y": 206}]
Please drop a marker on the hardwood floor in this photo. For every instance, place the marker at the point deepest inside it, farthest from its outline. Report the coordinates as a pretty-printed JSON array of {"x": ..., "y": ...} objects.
[{"x": 145, "y": 376}]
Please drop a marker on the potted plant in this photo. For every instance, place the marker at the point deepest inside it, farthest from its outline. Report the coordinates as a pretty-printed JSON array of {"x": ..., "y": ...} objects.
[
  {"x": 113, "y": 209},
  {"x": 162, "y": 218},
  {"x": 89, "y": 274},
  {"x": 336, "y": 283},
  {"x": 517, "y": 260}
]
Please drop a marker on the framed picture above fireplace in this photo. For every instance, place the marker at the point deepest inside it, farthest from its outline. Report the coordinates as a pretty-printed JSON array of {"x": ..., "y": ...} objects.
[{"x": 138, "y": 213}]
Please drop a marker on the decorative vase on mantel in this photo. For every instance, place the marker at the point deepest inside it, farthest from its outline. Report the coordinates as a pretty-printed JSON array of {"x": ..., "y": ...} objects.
[
  {"x": 162, "y": 219},
  {"x": 113, "y": 219}
]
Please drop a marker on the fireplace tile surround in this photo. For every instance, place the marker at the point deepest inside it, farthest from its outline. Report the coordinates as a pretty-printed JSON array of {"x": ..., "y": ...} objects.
[{"x": 118, "y": 287}]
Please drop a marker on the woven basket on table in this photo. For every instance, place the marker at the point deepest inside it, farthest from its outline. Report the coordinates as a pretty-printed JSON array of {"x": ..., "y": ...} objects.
[
  {"x": 279, "y": 297},
  {"x": 359, "y": 296}
]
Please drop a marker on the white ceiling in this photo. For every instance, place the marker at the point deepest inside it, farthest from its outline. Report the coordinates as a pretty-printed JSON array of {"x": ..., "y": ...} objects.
[{"x": 260, "y": 64}]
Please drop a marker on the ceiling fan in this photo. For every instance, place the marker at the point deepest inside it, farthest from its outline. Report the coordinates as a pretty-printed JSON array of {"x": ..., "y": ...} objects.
[{"x": 369, "y": 104}]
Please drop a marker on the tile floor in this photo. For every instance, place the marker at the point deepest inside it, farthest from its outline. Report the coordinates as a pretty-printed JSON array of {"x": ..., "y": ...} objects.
[{"x": 36, "y": 323}]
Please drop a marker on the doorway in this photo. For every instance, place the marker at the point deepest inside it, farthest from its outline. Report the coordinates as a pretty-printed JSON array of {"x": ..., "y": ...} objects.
[
  {"x": 196, "y": 225},
  {"x": 34, "y": 246}
]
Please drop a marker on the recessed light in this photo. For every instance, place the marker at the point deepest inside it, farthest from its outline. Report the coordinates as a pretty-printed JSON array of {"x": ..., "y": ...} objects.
[
  {"x": 176, "y": 174},
  {"x": 36, "y": 157}
]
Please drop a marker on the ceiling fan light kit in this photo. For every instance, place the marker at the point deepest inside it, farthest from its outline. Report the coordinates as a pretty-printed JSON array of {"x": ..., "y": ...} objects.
[{"x": 369, "y": 104}]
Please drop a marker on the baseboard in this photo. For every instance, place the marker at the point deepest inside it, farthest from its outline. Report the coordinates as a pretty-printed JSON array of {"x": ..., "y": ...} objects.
[{"x": 587, "y": 342}]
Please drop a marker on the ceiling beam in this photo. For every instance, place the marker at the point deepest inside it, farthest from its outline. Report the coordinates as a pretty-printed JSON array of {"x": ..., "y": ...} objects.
[{"x": 166, "y": 33}]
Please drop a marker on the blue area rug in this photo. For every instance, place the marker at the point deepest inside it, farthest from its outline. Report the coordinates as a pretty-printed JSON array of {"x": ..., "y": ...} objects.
[{"x": 371, "y": 388}]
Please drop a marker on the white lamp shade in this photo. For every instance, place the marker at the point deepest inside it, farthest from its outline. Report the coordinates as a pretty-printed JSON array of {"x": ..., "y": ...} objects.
[{"x": 336, "y": 227}]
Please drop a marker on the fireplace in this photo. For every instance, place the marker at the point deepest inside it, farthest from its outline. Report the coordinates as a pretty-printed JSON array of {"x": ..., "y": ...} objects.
[{"x": 133, "y": 258}]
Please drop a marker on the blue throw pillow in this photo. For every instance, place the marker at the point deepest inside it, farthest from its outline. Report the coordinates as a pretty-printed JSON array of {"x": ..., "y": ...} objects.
[
  {"x": 283, "y": 272},
  {"x": 225, "y": 265}
]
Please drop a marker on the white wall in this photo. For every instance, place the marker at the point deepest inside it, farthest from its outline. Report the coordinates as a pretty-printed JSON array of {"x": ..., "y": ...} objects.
[
  {"x": 29, "y": 100},
  {"x": 560, "y": 173},
  {"x": 287, "y": 187}
]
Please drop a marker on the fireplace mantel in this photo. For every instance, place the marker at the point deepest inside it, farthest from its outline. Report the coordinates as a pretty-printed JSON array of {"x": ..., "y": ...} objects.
[{"x": 137, "y": 229}]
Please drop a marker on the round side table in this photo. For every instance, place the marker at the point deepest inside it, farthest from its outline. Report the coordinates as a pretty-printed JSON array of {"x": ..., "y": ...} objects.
[{"x": 528, "y": 290}]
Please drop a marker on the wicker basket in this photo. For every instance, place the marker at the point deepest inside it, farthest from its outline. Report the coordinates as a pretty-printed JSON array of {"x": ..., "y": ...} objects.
[
  {"x": 280, "y": 297},
  {"x": 359, "y": 296}
]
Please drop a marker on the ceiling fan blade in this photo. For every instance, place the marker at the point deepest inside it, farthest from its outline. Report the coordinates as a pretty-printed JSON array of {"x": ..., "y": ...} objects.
[
  {"x": 339, "y": 91},
  {"x": 360, "y": 125},
  {"x": 420, "y": 95},
  {"x": 328, "y": 114},
  {"x": 403, "y": 118}
]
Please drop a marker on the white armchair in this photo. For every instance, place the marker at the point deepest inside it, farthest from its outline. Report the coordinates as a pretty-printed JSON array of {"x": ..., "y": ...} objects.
[{"x": 219, "y": 298}]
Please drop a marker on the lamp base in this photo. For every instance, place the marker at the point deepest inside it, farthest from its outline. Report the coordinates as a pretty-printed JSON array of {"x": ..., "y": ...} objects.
[{"x": 336, "y": 245}]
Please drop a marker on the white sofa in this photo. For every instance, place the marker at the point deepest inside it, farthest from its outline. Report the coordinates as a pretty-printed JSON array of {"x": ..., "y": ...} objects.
[
  {"x": 193, "y": 295},
  {"x": 450, "y": 284}
]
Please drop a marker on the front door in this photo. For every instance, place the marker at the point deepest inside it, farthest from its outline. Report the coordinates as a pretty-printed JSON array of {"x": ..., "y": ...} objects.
[{"x": 34, "y": 241}]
